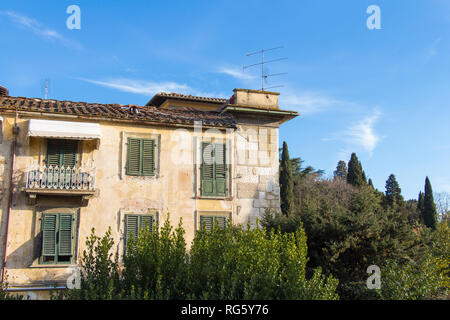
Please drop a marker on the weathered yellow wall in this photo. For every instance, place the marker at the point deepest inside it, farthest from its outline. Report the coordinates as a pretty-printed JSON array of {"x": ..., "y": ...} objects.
[{"x": 256, "y": 98}]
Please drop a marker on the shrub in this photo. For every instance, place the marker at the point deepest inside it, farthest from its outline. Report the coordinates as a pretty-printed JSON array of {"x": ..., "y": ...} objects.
[{"x": 231, "y": 263}]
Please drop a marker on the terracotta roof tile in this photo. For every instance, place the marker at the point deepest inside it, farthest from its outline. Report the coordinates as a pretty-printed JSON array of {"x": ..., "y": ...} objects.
[
  {"x": 185, "y": 116},
  {"x": 160, "y": 97}
]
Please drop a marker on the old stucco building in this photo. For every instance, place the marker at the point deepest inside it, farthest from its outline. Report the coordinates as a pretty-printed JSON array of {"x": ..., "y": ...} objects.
[{"x": 67, "y": 167}]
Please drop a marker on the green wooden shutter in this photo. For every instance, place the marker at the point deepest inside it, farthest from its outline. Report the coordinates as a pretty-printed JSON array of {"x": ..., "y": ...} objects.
[
  {"x": 207, "y": 170},
  {"x": 53, "y": 153},
  {"x": 62, "y": 152},
  {"x": 221, "y": 221},
  {"x": 146, "y": 222},
  {"x": 206, "y": 222},
  {"x": 131, "y": 227},
  {"x": 69, "y": 152},
  {"x": 65, "y": 234},
  {"x": 133, "y": 157},
  {"x": 220, "y": 170},
  {"x": 49, "y": 234},
  {"x": 148, "y": 157}
]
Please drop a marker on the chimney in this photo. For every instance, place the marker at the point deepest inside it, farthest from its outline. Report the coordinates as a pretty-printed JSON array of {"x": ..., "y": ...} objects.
[
  {"x": 3, "y": 92},
  {"x": 256, "y": 99}
]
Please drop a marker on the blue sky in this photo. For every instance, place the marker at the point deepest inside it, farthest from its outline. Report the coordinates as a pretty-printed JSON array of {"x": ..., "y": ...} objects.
[{"x": 383, "y": 94}]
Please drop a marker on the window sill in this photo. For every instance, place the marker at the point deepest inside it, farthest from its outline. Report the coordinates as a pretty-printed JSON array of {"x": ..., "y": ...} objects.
[
  {"x": 214, "y": 198},
  {"x": 37, "y": 265}
]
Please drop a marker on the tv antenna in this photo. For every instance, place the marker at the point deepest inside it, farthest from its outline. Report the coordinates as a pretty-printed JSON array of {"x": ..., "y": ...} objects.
[
  {"x": 262, "y": 63},
  {"x": 46, "y": 88}
]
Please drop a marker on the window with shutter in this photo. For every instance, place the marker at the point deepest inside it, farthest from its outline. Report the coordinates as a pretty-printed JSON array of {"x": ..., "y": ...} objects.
[
  {"x": 57, "y": 237},
  {"x": 140, "y": 157},
  {"x": 62, "y": 152},
  {"x": 136, "y": 222},
  {"x": 213, "y": 170},
  {"x": 207, "y": 222}
]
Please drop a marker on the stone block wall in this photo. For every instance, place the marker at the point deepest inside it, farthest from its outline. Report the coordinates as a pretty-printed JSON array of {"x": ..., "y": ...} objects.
[{"x": 256, "y": 172}]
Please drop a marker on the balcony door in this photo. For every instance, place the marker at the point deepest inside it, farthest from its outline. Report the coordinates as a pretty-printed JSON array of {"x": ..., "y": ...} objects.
[{"x": 62, "y": 152}]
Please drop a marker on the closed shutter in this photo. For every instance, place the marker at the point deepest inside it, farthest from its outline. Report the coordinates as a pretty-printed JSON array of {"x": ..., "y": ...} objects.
[
  {"x": 206, "y": 222},
  {"x": 214, "y": 170},
  {"x": 148, "y": 157},
  {"x": 62, "y": 152},
  {"x": 141, "y": 157},
  {"x": 133, "y": 157},
  {"x": 65, "y": 234},
  {"x": 221, "y": 221},
  {"x": 53, "y": 153},
  {"x": 131, "y": 227},
  {"x": 207, "y": 170},
  {"x": 69, "y": 151},
  {"x": 146, "y": 222},
  {"x": 49, "y": 235},
  {"x": 220, "y": 170}
]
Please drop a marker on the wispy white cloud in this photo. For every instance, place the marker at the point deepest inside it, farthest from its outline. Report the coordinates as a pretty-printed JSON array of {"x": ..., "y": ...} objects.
[
  {"x": 432, "y": 49},
  {"x": 150, "y": 87},
  {"x": 236, "y": 73},
  {"x": 360, "y": 135},
  {"x": 307, "y": 103},
  {"x": 40, "y": 30},
  {"x": 140, "y": 86}
]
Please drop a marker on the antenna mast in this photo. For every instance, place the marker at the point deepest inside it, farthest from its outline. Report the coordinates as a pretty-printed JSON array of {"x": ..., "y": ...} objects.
[
  {"x": 262, "y": 63},
  {"x": 46, "y": 89}
]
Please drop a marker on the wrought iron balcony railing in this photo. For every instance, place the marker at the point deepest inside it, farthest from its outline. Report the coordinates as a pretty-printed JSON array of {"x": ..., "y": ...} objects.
[{"x": 60, "y": 178}]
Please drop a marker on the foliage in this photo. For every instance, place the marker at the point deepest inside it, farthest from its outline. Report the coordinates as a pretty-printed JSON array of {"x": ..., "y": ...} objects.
[
  {"x": 4, "y": 294},
  {"x": 100, "y": 271},
  {"x": 341, "y": 170},
  {"x": 356, "y": 176},
  {"x": 155, "y": 264},
  {"x": 429, "y": 213},
  {"x": 393, "y": 195},
  {"x": 254, "y": 264},
  {"x": 412, "y": 280},
  {"x": 299, "y": 172},
  {"x": 348, "y": 230},
  {"x": 231, "y": 263},
  {"x": 286, "y": 182}
]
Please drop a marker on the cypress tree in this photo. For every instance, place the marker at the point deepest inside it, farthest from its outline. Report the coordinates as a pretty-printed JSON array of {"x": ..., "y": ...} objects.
[
  {"x": 341, "y": 170},
  {"x": 420, "y": 203},
  {"x": 355, "y": 174},
  {"x": 429, "y": 213},
  {"x": 286, "y": 182},
  {"x": 393, "y": 195},
  {"x": 371, "y": 184}
]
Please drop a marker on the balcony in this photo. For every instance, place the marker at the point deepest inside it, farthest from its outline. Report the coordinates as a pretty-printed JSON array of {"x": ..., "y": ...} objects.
[{"x": 60, "y": 181}]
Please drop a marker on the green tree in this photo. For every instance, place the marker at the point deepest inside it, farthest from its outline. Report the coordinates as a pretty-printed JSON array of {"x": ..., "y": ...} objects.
[
  {"x": 299, "y": 172},
  {"x": 286, "y": 182},
  {"x": 370, "y": 183},
  {"x": 393, "y": 198},
  {"x": 341, "y": 170},
  {"x": 420, "y": 202},
  {"x": 355, "y": 176},
  {"x": 347, "y": 230},
  {"x": 429, "y": 213}
]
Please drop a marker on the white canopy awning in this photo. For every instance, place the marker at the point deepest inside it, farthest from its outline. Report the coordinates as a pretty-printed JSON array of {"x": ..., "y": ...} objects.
[{"x": 63, "y": 129}]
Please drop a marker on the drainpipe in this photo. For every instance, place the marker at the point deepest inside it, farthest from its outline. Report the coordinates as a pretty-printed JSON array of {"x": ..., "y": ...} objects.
[{"x": 10, "y": 196}]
